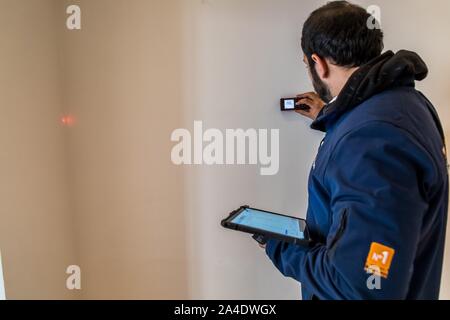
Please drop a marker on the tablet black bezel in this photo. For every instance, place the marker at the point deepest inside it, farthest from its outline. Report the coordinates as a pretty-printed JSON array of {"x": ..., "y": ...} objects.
[{"x": 226, "y": 223}]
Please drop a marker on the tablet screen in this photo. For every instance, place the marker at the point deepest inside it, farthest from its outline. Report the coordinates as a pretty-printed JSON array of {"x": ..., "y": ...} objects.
[{"x": 270, "y": 222}]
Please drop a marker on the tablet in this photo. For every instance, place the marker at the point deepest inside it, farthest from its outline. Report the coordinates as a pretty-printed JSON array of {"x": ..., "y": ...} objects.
[{"x": 268, "y": 224}]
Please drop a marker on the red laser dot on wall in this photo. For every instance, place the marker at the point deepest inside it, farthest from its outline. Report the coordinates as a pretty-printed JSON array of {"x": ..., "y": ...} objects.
[{"x": 68, "y": 121}]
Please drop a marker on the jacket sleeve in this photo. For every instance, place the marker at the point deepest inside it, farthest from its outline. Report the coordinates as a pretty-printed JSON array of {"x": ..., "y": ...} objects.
[{"x": 376, "y": 188}]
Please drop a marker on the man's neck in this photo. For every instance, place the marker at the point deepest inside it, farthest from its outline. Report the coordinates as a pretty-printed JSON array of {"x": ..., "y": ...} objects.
[{"x": 341, "y": 77}]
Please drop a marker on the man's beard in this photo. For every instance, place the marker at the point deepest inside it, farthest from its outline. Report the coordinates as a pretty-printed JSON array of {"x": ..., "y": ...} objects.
[{"x": 319, "y": 86}]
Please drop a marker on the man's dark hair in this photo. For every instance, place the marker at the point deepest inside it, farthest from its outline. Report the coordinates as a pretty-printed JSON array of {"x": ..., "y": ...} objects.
[{"x": 339, "y": 31}]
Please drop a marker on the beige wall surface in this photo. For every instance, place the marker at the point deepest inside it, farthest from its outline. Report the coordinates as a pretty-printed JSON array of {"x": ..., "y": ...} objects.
[
  {"x": 123, "y": 86},
  {"x": 104, "y": 194},
  {"x": 36, "y": 231}
]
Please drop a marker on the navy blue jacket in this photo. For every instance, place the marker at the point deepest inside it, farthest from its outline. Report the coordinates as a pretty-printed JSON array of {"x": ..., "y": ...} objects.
[{"x": 380, "y": 178}]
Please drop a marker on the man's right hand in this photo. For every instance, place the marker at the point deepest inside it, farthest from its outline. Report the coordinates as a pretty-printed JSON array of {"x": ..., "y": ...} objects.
[{"x": 313, "y": 101}]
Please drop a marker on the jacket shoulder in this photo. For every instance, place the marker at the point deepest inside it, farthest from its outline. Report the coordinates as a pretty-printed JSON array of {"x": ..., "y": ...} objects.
[{"x": 404, "y": 108}]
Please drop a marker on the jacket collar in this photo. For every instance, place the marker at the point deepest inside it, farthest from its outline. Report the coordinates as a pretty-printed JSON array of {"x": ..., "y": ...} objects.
[{"x": 385, "y": 72}]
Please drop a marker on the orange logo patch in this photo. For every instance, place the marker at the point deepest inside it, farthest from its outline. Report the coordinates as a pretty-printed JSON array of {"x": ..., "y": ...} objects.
[{"x": 379, "y": 259}]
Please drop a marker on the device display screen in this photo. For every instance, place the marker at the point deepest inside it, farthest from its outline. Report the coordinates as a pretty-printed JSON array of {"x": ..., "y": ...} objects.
[
  {"x": 270, "y": 222},
  {"x": 289, "y": 104}
]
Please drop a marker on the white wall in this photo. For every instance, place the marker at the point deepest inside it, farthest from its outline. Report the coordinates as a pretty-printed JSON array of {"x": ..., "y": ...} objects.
[
  {"x": 2, "y": 282},
  {"x": 244, "y": 55}
]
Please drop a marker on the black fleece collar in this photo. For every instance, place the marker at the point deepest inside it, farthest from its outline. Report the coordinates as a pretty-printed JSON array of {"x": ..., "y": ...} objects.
[{"x": 385, "y": 72}]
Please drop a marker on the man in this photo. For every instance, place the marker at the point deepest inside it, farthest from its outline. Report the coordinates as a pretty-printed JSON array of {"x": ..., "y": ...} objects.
[{"x": 378, "y": 189}]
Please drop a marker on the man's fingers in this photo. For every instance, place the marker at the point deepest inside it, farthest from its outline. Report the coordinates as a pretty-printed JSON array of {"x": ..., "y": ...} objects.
[{"x": 306, "y": 101}]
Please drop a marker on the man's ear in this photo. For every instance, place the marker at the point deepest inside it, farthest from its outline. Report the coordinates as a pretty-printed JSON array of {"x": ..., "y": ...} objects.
[{"x": 321, "y": 66}]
